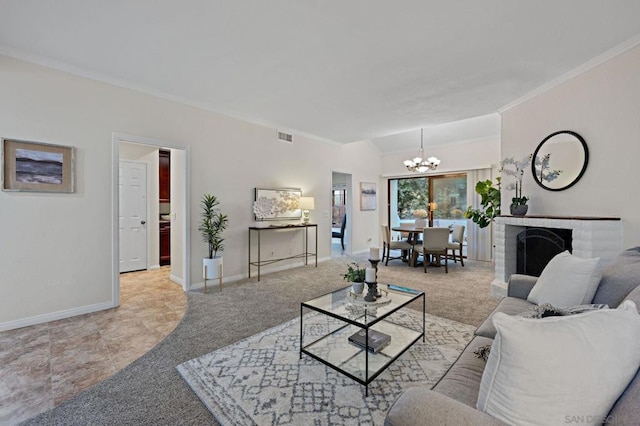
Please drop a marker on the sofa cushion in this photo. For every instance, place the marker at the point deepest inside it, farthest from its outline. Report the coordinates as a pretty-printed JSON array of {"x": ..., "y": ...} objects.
[
  {"x": 419, "y": 406},
  {"x": 619, "y": 277},
  {"x": 509, "y": 306},
  {"x": 567, "y": 280},
  {"x": 462, "y": 381},
  {"x": 526, "y": 371},
  {"x": 627, "y": 410}
]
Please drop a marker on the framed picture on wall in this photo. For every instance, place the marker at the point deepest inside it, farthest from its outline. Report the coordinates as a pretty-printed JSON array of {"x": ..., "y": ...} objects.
[
  {"x": 368, "y": 196},
  {"x": 277, "y": 204},
  {"x": 37, "y": 167}
]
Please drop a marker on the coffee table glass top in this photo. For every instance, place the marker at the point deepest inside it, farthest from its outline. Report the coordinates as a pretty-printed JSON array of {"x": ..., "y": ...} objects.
[{"x": 342, "y": 304}]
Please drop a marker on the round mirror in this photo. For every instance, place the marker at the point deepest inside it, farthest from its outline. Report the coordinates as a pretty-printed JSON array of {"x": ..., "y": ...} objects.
[{"x": 560, "y": 160}]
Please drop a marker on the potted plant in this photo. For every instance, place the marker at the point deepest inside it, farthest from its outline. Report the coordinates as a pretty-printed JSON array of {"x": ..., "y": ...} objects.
[
  {"x": 489, "y": 200},
  {"x": 211, "y": 227},
  {"x": 511, "y": 167},
  {"x": 355, "y": 275}
]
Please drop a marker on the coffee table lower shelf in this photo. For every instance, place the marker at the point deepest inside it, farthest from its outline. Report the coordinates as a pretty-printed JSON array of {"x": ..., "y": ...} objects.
[{"x": 355, "y": 362}]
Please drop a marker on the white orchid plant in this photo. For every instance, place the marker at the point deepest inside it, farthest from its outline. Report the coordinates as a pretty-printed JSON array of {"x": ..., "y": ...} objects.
[{"x": 513, "y": 168}]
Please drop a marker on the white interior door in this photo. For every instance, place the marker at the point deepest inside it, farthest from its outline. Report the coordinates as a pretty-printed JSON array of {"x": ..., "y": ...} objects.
[{"x": 133, "y": 216}]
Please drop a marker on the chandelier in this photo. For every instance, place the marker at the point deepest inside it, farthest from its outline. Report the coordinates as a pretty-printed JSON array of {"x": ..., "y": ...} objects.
[{"x": 420, "y": 164}]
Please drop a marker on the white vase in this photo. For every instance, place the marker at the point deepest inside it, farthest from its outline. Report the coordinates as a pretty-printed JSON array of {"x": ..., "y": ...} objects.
[
  {"x": 421, "y": 223},
  {"x": 212, "y": 267},
  {"x": 357, "y": 288}
]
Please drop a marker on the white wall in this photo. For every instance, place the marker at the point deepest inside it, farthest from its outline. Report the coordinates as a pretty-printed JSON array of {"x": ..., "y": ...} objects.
[
  {"x": 454, "y": 157},
  {"x": 603, "y": 106},
  {"x": 55, "y": 255}
]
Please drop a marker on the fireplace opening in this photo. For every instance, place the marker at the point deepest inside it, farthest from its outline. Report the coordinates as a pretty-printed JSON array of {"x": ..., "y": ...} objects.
[{"x": 537, "y": 246}]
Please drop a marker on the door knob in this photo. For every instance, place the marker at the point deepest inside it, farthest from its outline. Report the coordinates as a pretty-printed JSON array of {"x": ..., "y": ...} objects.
[{"x": 142, "y": 222}]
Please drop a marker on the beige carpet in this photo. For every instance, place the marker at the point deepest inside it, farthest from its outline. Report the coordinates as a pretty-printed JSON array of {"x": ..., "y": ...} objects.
[
  {"x": 463, "y": 295},
  {"x": 150, "y": 390}
]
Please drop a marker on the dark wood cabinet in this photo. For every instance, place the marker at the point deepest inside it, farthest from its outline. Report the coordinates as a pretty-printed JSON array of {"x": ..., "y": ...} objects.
[
  {"x": 165, "y": 243},
  {"x": 164, "y": 166}
]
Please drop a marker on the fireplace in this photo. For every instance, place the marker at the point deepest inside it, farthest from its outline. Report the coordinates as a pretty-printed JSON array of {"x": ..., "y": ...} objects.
[
  {"x": 537, "y": 246},
  {"x": 590, "y": 237}
]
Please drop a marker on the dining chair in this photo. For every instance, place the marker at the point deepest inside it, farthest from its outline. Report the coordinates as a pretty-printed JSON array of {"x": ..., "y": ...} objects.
[
  {"x": 457, "y": 238},
  {"x": 434, "y": 243},
  {"x": 335, "y": 234},
  {"x": 388, "y": 245}
]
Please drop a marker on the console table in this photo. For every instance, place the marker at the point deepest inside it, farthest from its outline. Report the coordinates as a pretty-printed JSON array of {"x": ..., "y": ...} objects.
[{"x": 254, "y": 230}]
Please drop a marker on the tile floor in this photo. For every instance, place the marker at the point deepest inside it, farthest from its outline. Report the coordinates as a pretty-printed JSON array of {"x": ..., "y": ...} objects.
[{"x": 43, "y": 365}]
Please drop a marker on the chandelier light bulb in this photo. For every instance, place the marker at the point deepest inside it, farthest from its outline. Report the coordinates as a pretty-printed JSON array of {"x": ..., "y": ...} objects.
[{"x": 418, "y": 164}]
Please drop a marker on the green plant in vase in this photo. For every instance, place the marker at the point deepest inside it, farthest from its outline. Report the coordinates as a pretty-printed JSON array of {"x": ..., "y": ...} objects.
[
  {"x": 356, "y": 275},
  {"x": 489, "y": 200}
]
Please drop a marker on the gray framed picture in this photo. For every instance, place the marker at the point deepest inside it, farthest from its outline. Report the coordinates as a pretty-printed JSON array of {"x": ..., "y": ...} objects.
[
  {"x": 368, "y": 196},
  {"x": 277, "y": 204},
  {"x": 37, "y": 167}
]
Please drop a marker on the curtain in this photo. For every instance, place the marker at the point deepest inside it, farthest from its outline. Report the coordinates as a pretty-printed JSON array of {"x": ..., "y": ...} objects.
[{"x": 479, "y": 240}]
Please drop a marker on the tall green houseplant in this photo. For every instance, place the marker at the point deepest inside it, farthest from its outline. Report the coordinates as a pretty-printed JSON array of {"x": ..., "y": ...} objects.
[
  {"x": 490, "y": 202},
  {"x": 213, "y": 223}
]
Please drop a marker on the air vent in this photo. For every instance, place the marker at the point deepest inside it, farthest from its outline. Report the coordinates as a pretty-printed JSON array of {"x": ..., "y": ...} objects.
[{"x": 285, "y": 137}]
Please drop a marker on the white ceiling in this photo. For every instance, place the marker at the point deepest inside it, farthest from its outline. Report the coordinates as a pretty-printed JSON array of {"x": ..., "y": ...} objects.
[{"x": 342, "y": 70}]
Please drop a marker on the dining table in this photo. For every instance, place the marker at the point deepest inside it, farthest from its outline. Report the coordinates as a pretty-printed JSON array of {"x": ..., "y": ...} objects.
[{"x": 413, "y": 238}]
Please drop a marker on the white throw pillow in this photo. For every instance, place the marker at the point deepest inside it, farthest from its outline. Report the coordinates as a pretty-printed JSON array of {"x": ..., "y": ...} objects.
[
  {"x": 551, "y": 370},
  {"x": 567, "y": 280}
]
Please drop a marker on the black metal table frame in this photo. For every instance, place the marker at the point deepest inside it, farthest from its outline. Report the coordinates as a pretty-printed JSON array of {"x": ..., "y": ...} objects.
[
  {"x": 368, "y": 379},
  {"x": 305, "y": 254}
]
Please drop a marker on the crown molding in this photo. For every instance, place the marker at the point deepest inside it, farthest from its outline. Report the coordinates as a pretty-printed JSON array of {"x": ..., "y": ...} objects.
[{"x": 606, "y": 56}]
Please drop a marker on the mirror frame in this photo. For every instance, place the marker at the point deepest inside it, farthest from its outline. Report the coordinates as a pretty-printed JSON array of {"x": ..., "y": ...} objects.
[{"x": 584, "y": 165}]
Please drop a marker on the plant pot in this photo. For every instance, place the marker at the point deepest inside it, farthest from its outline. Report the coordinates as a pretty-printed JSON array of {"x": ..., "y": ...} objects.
[
  {"x": 357, "y": 288},
  {"x": 421, "y": 223},
  {"x": 518, "y": 209},
  {"x": 212, "y": 267}
]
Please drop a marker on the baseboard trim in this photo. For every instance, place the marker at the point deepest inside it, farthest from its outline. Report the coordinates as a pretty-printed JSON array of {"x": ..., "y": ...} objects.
[
  {"x": 54, "y": 316},
  {"x": 152, "y": 267},
  {"x": 254, "y": 274},
  {"x": 176, "y": 279}
]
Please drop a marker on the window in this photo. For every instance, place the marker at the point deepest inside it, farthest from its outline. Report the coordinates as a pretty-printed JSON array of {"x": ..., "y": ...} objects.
[{"x": 448, "y": 192}]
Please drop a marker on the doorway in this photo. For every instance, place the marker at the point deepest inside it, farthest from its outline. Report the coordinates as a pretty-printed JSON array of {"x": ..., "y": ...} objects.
[
  {"x": 341, "y": 217},
  {"x": 179, "y": 268}
]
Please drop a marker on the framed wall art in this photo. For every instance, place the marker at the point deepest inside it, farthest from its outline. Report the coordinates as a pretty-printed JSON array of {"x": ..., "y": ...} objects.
[
  {"x": 368, "y": 196},
  {"x": 277, "y": 204},
  {"x": 37, "y": 167}
]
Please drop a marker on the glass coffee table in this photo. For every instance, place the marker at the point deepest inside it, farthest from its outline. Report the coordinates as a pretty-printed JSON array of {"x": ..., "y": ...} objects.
[{"x": 357, "y": 338}]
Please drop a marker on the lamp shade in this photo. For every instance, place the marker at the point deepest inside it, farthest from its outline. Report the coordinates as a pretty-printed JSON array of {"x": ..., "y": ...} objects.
[{"x": 307, "y": 203}]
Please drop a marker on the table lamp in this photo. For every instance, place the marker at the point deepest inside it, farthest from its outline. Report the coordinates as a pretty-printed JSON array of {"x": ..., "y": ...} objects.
[{"x": 306, "y": 204}]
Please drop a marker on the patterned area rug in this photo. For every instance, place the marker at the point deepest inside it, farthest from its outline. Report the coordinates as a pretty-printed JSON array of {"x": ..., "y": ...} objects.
[{"x": 261, "y": 380}]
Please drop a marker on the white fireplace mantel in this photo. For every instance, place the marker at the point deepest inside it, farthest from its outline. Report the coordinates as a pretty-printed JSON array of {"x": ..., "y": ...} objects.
[{"x": 591, "y": 237}]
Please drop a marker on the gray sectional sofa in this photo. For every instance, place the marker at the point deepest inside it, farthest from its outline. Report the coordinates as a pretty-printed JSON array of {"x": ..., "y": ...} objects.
[{"x": 452, "y": 401}]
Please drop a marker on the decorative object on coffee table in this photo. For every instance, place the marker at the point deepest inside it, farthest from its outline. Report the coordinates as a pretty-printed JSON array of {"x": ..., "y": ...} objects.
[
  {"x": 374, "y": 259},
  {"x": 355, "y": 275},
  {"x": 372, "y": 284}
]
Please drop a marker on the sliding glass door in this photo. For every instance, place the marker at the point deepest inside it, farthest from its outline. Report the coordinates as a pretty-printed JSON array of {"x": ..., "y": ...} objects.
[{"x": 445, "y": 194}]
